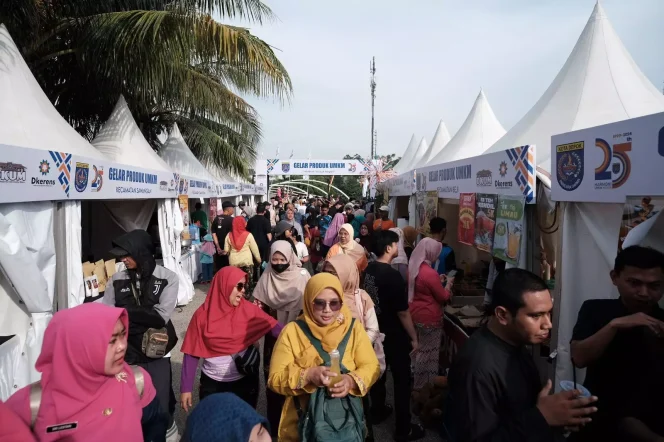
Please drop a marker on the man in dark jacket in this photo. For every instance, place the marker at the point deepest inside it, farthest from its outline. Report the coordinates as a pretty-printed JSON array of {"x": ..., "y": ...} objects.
[{"x": 149, "y": 293}]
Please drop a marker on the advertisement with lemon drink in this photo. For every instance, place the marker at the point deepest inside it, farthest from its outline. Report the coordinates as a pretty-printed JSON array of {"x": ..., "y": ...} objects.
[{"x": 509, "y": 228}]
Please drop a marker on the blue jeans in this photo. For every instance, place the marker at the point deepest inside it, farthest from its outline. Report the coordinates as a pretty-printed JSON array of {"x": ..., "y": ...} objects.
[
  {"x": 208, "y": 272},
  {"x": 154, "y": 422}
]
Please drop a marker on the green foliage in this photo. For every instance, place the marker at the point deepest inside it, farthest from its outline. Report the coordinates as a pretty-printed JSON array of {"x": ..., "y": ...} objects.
[{"x": 169, "y": 58}]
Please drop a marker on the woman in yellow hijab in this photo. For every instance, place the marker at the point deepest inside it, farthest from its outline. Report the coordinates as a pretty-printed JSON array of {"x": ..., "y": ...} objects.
[{"x": 295, "y": 368}]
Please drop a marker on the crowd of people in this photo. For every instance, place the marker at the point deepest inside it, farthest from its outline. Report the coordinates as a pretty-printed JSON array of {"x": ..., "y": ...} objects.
[{"x": 338, "y": 298}]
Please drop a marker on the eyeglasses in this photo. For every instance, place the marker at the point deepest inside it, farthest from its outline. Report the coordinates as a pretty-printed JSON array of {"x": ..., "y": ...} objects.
[
  {"x": 240, "y": 286},
  {"x": 320, "y": 305}
]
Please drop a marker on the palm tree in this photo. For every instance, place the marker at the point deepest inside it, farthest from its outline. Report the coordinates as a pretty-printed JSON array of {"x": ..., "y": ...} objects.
[{"x": 170, "y": 59}]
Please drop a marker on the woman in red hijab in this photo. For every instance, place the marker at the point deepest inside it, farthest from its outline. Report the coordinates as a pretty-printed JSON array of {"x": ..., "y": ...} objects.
[
  {"x": 243, "y": 252},
  {"x": 223, "y": 332},
  {"x": 88, "y": 392}
]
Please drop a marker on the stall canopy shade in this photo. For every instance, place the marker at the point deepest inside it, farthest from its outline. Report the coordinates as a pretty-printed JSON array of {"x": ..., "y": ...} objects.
[
  {"x": 419, "y": 154},
  {"x": 480, "y": 130},
  {"x": 438, "y": 143},
  {"x": 121, "y": 140},
  {"x": 28, "y": 117},
  {"x": 407, "y": 156},
  {"x": 599, "y": 84},
  {"x": 181, "y": 159}
]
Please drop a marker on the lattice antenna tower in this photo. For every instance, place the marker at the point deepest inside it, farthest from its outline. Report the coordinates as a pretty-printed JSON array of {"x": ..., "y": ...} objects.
[{"x": 372, "y": 86}]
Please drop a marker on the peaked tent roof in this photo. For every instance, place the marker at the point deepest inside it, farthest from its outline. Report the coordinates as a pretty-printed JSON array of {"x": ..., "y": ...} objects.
[
  {"x": 121, "y": 140},
  {"x": 599, "y": 84},
  {"x": 181, "y": 159},
  {"x": 419, "y": 154},
  {"x": 440, "y": 140},
  {"x": 27, "y": 115},
  {"x": 480, "y": 130},
  {"x": 407, "y": 156}
]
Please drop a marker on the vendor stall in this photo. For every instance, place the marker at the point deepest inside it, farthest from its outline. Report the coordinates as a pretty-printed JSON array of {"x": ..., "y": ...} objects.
[{"x": 606, "y": 181}]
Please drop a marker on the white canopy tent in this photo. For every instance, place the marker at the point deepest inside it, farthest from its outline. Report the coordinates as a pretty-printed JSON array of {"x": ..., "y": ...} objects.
[
  {"x": 438, "y": 143},
  {"x": 479, "y": 131},
  {"x": 27, "y": 241},
  {"x": 181, "y": 159},
  {"x": 407, "y": 156},
  {"x": 121, "y": 140},
  {"x": 422, "y": 149},
  {"x": 600, "y": 83}
]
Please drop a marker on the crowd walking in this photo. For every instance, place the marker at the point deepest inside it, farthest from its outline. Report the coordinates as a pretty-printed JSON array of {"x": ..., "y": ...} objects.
[{"x": 370, "y": 311}]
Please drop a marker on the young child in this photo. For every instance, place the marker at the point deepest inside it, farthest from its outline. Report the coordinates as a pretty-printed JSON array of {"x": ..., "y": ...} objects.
[
  {"x": 207, "y": 259},
  {"x": 302, "y": 252}
]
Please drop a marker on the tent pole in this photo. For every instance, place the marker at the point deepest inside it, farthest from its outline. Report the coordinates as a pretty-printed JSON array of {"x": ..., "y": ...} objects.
[{"x": 60, "y": 300}]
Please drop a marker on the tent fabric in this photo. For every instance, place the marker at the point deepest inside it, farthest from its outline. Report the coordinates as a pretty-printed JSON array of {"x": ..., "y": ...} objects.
[
  {"x": 181, "y": 159},
  {"x": 170, "y": 227},
  {"x": 10, "y": 364},
  {"x": 438, "y": 143},
  {"x": 599, "y": 84},
  {"x": 589, "y": 245},
  {"x": 121, "y": 140},
  {"x": 477, "y": 133},
  {"x": 407, "y": 156},
  {"x": 27, "y": 259},
  {"x": 28, "y": 117},
  {"x": 74, "y": 246},
  {"x": 422, "y": 148}
]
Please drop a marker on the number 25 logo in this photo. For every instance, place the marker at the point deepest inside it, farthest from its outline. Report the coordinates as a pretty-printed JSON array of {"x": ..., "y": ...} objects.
[{"x": 616, "y": 165}]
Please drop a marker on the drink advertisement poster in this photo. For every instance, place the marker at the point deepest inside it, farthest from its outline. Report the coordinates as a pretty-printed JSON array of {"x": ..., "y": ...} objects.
[
  {"x": 485, "y": 221},
  {"x": 184, "y": 208},
  {"x": 430, "y": 210},
  {"x": 509, "y": 229},
  {"x": 466, "y": 229},
  {"x": 420, "y": 211}
]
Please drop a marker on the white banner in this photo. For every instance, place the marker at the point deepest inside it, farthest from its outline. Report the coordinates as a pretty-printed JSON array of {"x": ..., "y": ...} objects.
[
  {"x": 403, "y": 185},
  {"x": 607, "y": 164},
  {"x": 261, "y": 185},
  {"x": 510, "y": 172},
  {"x": 311, "y": 167}
]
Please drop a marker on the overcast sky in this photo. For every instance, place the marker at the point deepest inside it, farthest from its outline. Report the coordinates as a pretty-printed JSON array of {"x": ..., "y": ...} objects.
[{"x": 432, "y": 57}]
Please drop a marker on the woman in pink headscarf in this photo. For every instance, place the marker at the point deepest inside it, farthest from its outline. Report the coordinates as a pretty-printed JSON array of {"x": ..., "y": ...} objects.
[
  {"x": 331, "y": 235},
  {"x": 426, "y": 296},
  {"x": 88, "y": 392}
]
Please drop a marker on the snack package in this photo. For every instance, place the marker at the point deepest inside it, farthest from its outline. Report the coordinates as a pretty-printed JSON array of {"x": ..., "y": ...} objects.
[
  {"x": 88, "y": 269},
  {"x": 110, "y": 268},
  {"x": 100, "y": 273},
  {"x": 91, "y": 286}
]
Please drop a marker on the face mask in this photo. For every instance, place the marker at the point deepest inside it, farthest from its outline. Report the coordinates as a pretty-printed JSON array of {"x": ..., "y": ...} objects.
[{"x": 279, "y": 268}]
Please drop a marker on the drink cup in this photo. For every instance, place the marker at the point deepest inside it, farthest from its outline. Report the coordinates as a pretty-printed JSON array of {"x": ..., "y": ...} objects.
[{"x": 569, "y": 386}]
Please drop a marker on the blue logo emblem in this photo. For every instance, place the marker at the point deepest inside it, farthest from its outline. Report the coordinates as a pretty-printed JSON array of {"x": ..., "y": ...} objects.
[
  {"x": 81, "y": 176},
  {"x": 98, "y": 179},
  {"x": 44, "y": 167},
  {"x": 285, "y": 167},
  {"x": 569, "y": 165}
]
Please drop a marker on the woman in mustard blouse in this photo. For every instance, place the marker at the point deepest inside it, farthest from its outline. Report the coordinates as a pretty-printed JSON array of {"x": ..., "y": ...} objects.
[{"x": 295, "y": 368}]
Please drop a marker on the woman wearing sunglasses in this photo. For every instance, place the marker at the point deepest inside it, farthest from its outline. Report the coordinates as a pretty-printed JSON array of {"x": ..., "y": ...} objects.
[
  {"x": 295, "y": 368},
  {"x": 223, "y": 332}
]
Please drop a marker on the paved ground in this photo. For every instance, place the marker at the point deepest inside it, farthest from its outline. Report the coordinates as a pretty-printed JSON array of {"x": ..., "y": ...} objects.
[{"x": 383, "y": 432}]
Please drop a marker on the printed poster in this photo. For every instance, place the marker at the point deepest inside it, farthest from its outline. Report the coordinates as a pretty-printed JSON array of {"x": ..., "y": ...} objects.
[
  {"x": 637, "y": 211},
  {"x": 184, "y": 208},
  {"x": 430, "y": 210},
  {"x": 420, "y": 211},
  {"x": 485, "y": 220},
  {"x": 466, "y": 228},
  {"x": 509, "y": 229},
  {"x": 212, "y": 210}
]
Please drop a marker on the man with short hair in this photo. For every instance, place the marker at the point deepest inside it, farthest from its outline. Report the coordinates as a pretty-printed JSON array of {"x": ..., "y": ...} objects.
[
  {"x": 495, "y": 392},
  {"x": 149, "y": 293},
  {"x": 623, "y": 339},
  {"x": 200, "y": 216},
  {"x": 323, "y": 221},
  {"x": 222, "y": 226},
  {"x": 446, "y": 261},
  {"x": 387, "y": 289},
  {"x": 261, "y": 230},
  {"x": 383, "y": 222}
]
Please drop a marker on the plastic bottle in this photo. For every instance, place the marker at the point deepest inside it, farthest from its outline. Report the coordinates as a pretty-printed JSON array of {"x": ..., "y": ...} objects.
[{"x": 335, "y": 367}]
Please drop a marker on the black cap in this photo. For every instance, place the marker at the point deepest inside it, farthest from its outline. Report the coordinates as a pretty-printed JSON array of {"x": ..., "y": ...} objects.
[
  {"x": 118, "y": 252},
  {"x": 241, "y": 203},
  {"x": 227, "y": 204}
]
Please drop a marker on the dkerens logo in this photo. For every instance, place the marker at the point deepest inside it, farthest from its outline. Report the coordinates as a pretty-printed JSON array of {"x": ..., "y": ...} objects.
[
  {"x": 484, "y": 178},
  {"x": 44, "y": 169},
  {"x": 502, "y": 171},
  {"x": 12, "y": 173},
  {"x": 163, "y": 185}
]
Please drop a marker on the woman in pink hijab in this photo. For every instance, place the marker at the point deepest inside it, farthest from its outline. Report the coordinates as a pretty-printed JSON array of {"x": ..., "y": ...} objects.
[
  {"x": 426, "y": 296},
  {"x": 88, "y": 392},
  {"x": 331, "y": 235}
]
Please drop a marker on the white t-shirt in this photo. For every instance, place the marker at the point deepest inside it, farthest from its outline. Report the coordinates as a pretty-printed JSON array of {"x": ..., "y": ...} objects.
[{"x": 302, "y": 251}]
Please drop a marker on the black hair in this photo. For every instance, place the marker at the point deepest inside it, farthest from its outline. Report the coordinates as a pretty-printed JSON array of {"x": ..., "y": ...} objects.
[
  {"x": 325, "y": 206},
  {"x": 643, "y": 258},
  {"x": 437, "y": 225},
  {"x": 260, "y": 207},
  {"x": 198, "y": 206},
  {"x": 383, "y": 239},
  {"x": 510, "y": 286}
]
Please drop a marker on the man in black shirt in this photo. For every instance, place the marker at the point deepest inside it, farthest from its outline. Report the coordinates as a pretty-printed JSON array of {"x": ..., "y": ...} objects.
[
  {"x": 222, "y": 226},
  {"x": 621, "y": 342},
  {"x": 446, "y": 260},
  {"x": 495, "y": 392},
  {"x": 387, "y": 289},
  {"x": 261, "y": 230}
]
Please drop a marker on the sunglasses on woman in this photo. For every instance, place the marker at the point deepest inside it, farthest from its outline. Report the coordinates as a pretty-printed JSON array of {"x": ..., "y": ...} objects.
[
  {"x": 320, "y": 304},
  {"x": 240, "y": 286}
]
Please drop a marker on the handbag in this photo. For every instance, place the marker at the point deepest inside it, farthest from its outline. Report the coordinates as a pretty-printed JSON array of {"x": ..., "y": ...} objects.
[
  {"x": 249, "y": 363},
  {"x": 155, "y": 340},
  {"x": 378, "y": 344}
]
